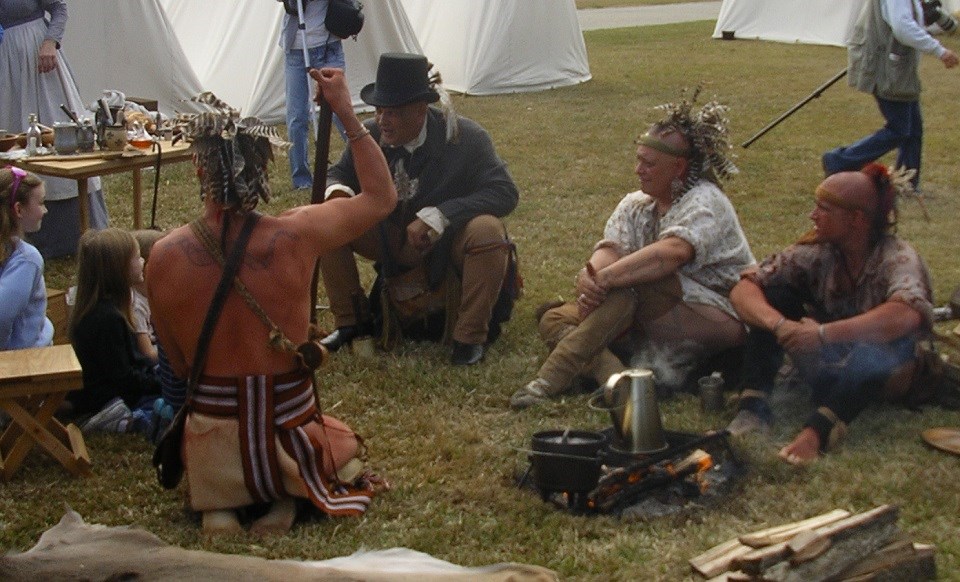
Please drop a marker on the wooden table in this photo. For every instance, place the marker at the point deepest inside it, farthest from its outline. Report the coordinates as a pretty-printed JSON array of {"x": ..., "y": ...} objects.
[
  {"x": 81, "y": 167},
  {"x": 33, "y": 383}
]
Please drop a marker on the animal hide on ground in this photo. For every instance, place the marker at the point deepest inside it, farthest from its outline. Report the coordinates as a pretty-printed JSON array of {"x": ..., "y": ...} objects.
[{"x": 76, "y": 550}]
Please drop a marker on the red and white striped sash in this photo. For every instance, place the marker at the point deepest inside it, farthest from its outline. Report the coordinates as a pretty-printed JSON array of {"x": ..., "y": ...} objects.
[{"x": 277, "y": 406}]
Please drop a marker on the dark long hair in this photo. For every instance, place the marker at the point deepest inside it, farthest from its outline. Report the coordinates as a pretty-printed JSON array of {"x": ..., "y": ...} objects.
[{"x": 103, "y": 273}]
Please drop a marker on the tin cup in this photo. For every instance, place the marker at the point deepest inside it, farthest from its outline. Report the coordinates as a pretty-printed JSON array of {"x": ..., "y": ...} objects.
[
  {"x": 65, "y": 137},
  {"x": 711, "y": 393},
  {"x": 363, "y": 347}
]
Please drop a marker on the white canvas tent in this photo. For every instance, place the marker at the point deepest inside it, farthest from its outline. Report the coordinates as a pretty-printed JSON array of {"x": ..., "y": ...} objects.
[
  {"x": 501, "y": 46},
  {"x": 827, "y": 22},
  {"x": 171, "y": 49},
  {"x": 128, "y": 45}
]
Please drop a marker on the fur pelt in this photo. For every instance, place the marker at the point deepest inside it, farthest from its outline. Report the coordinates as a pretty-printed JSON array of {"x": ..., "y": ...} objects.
[{"x": 76, "y": 550}]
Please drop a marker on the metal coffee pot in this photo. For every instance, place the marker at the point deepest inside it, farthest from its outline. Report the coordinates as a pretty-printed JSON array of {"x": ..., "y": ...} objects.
[{"x": 631, "y": 399}]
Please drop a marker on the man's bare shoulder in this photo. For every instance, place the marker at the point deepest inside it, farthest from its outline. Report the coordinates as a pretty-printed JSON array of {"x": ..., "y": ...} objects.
[
  {"x": 299, "y": 214},
  {"x": 179, "y": 246}
]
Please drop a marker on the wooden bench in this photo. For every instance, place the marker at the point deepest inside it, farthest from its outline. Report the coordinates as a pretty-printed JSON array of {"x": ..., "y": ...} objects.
[{"x": 33, "y": 383}]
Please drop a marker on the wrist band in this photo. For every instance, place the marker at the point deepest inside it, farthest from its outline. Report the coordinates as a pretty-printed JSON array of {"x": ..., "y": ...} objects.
[
  {"x": 359, "y": 135},
  {"x": 823, "y": 336},
  {"x": 777, "y": 325}
]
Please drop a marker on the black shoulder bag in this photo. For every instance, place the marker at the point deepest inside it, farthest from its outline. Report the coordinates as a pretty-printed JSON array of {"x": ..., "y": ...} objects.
[
  {"x": 344, "y": 18},
  {"x": 167, "y": 459}
]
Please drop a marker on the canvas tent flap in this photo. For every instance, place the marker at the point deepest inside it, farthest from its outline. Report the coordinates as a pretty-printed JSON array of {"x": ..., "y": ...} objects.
[
  {"x": 170, "y": 50},
  {"x": 825, "y": 22},
  {"x": 501, "y": 46},
  {"x": 807, "y": 21},
  {"x": 128, "y": 45},
  {"x": 251, "y": 29}
]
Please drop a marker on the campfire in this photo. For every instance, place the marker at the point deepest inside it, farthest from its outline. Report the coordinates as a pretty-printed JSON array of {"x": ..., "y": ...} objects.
[
  {"x": 693, "y": 470},
  {"x": 657, "y": 483},
  {"x": 634, "y": 469}
]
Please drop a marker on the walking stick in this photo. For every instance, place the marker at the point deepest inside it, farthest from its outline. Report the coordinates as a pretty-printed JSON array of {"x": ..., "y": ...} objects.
[
  {"x": 322, "y": 154},
  {"x": 795, "y": 108},
  {"x": 302, "y": 27},
  {"x": 320, "y": 162}
]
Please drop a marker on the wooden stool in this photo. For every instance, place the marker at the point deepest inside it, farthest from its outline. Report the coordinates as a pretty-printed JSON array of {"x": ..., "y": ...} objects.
[{"x": 33, "y": 383}]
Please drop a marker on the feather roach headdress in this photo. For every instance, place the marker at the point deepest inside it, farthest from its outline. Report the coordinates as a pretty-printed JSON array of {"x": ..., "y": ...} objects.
[
  {"x": 707, "y": 131},
  {"x": 230, "y": 153}
]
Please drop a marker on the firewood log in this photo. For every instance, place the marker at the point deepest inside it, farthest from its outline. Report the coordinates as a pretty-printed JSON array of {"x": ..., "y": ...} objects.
[
  {"x": 719, "y": 558},
  {"x": 758, "y": 560},
  {"x": 782, "y": 533},
  {"x": 901, "y": 560},
  {"x": 807, "y": 545},
  {"x": 851, "y": 540}
]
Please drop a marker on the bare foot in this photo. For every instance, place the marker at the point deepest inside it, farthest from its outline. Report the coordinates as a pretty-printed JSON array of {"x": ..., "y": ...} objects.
[
  {"x": 278, "y": 520},
  {"x": 221, "y": 522},
  {"x": 804, "y": 449}
]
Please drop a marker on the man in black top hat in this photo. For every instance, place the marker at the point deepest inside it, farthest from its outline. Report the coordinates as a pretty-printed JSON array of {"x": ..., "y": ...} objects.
[{"x": 444, "y": 249}]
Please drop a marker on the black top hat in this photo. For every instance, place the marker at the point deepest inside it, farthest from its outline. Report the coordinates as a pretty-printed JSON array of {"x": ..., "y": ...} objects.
[{"x": 401, "y": 78}]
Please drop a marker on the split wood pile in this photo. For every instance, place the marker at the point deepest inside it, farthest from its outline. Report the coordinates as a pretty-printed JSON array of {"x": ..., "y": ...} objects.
[{"x": 832, "y": 546}]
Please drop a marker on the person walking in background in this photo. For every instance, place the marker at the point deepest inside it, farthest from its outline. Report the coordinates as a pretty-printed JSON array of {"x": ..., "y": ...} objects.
[
  {"x": 884, "y": 60},
  {"x": 324, "y": 50},
  {"x": 35, "y": 78},
  {"x": 23, "y": 294}
]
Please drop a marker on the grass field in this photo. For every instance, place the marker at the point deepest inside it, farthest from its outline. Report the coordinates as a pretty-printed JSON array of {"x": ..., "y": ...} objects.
[{"x": 445, "y": 437}]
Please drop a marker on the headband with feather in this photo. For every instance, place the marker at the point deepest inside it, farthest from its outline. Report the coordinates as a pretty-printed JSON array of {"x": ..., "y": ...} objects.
[
  {"x": 707, "y": 130},
  {"x": 230, "y": 152}
]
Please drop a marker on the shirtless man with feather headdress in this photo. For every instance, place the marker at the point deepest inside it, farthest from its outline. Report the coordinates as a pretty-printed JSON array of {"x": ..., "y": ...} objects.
[{"x": 254, "y": 433}]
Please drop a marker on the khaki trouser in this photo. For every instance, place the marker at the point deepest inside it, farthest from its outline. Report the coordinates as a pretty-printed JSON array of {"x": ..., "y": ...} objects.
[
  {"x": 476, "y": 255},
  {"x": 581, "y": 348}
]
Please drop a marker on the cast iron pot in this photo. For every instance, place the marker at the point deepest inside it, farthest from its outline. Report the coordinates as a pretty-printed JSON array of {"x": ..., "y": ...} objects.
[{"x": 566, "y": 460}]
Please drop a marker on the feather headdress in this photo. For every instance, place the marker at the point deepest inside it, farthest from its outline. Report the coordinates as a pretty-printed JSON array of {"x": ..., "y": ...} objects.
[
  {"x": 893, "y": 183},
  {"x": 230, "y": 152},
  {"x": 446, "y": 104},
  {"x": 708, "y": 133}
]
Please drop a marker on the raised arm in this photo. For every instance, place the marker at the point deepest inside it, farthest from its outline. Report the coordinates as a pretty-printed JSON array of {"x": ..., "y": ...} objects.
[{"x": 347, "y": 218}]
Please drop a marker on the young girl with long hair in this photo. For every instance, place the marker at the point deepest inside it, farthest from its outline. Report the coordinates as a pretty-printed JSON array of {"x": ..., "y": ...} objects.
[
  {"x": 23, "y": 294},
  {"x": 117, "y": 376},
  {"x": 140, "y": 308}
]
